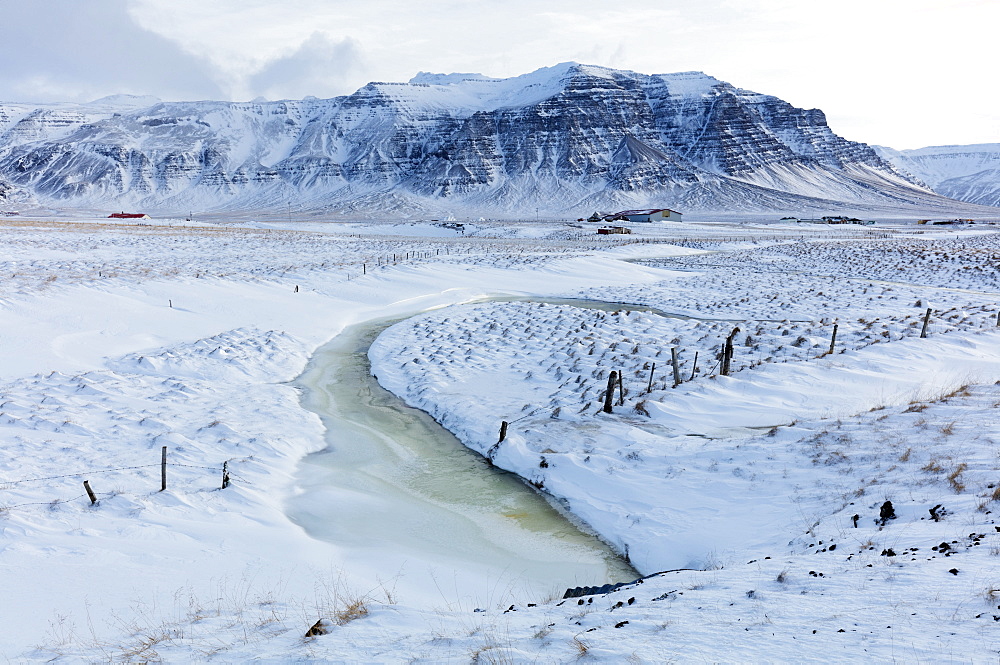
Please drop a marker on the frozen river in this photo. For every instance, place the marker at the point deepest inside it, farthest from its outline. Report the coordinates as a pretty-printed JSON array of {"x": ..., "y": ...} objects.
[{"x": 410, "y": 508}]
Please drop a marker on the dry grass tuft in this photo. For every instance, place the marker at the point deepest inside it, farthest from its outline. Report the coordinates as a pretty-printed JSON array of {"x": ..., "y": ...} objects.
[
  {"x": 353, "y": 609},
  {"x": 932, "y": 467},
  {"x": 955, "y": 478},
  {"x": 493, "y": 650}
]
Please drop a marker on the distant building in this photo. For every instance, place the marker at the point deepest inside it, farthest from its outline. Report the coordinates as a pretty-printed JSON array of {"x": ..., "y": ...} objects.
[
  {"x": 651, "y": 215},
  {"x": 128, "y": 215}
]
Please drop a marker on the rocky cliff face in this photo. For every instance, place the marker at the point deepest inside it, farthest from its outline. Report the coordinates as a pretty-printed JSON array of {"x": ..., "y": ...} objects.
[
  {"x": 565, "y": 139},
  {"x": 965, "y": 172}
]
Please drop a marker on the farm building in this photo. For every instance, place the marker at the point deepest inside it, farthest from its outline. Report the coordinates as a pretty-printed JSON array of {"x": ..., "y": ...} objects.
[
  {"x": 128, "y": 215},
  {"x": 651, "y": 215}
]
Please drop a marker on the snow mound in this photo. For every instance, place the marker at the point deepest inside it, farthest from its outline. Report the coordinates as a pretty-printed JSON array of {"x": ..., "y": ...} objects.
[{"x": 242, "y": 351}]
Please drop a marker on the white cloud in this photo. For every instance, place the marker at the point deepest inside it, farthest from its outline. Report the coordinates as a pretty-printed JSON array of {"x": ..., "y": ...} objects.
[
  {"x": 320, "y": 66},
  {"x": 896, "y": 72},
  {"x": 66, "y": 50}
]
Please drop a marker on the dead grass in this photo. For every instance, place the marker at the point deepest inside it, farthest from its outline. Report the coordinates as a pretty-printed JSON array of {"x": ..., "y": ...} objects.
[
  {"x": 351, "y": 610},
  {"x": 955, "y": 478},
  {"x": 580, "y": 648},
  {"x": 493, "y": 650},
  {"x": 934, "y": 466}
]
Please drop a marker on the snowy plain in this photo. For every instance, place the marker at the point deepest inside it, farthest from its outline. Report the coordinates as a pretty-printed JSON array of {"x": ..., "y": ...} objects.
[{"x": 119, "y": 340}]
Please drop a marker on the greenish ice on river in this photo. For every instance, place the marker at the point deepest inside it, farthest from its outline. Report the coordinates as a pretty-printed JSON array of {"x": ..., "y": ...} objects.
[{"x": 411, "y": 510}]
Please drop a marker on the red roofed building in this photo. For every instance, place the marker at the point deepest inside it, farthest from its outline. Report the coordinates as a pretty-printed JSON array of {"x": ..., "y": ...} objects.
[{"x": 128, "y": 215}]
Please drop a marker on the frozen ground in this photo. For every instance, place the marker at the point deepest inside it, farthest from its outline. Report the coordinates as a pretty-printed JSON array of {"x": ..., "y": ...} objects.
[{"x": 120, "y": 340}]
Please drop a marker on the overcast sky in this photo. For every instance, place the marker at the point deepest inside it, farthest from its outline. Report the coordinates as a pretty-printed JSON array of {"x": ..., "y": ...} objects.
[{"x": 902, "y": 73}]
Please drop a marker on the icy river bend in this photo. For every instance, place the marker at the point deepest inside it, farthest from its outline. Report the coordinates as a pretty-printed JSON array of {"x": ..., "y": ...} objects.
[{"x": 412, "y": 509}]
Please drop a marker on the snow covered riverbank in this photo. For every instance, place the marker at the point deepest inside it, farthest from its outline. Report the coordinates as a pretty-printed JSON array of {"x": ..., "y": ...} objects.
[
  {"x": 677, "y": 478},
  {"x": 636, "y": 476},
  {"x": 102, "y": 371}
]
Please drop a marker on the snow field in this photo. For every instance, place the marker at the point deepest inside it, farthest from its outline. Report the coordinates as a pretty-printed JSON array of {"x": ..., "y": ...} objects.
[
  {"x": 196, "y": 573},
  {"x": 42, "y": 254},
  {"x": 60, "y": 429},
  {"x": 561, "y": 355},
  {"x": 966, "y": 261},
  {"x": 100, "y": 372},
  {"x": 793, "y": 318}
]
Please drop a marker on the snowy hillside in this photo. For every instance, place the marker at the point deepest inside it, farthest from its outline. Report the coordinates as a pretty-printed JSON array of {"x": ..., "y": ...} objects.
[
  {"x": 964, "y": 172},
  {"x": 566, "y": 139}
]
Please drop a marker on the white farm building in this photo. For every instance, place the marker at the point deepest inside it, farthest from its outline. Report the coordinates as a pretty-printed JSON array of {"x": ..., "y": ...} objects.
[{"x": 651, "y": 215}]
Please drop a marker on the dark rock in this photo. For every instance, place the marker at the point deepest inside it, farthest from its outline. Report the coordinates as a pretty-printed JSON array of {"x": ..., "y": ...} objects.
[{"x": 886, "y": 513}]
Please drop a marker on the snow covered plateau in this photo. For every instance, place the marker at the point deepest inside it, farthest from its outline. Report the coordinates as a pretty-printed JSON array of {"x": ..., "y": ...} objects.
[
  {"x": 563, "y": 140},
  {"x": 834, "y": 495}
]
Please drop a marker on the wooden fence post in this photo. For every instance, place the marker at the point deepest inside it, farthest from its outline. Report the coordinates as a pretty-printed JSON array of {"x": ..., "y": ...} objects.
[
  {"x": 833, "y": 339},
  {"x": 503, "y": 430},
  {"x": 610, "y": 392},
  {"x": 90, "y": 492},
  {"x": 727, "y": 352},
  {"x": 927, "y": 318},
  {"x": 677, "y": 369},
  {"x": 225, "y": 474},
  {"x": 694, "y": 366},
  {"x": 163, "y": 469},
  {"x": 652, "y": 369},
  {"x": 621, "y": 390}
]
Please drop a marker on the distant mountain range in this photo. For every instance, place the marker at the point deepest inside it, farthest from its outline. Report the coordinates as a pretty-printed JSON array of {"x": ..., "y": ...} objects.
[
  {"x": 965, "y": 172},
  {"x": 568, "y": 139}
]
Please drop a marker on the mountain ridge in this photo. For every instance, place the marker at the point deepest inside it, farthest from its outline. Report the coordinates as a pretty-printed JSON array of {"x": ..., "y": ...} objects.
[
  {"x": 964, "y": 172},
  {"x": 564, "y": 139}
]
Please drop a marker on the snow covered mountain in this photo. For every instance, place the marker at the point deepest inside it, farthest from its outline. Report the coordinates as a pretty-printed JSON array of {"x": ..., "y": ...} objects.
[
  {"x": 565, "y": 139},
  {"x": 964, "y": 172}
]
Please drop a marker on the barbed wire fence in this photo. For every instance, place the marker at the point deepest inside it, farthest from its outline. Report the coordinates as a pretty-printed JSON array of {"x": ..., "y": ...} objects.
[
  {"x": 225, "y": 475},
  {"x": 722, "y": 354}
]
